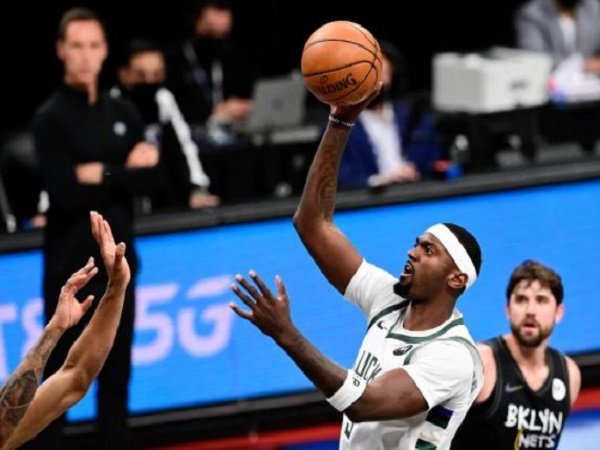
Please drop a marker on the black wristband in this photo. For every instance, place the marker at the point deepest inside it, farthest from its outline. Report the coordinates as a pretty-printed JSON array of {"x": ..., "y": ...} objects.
[{"x": 341, "y": 122}]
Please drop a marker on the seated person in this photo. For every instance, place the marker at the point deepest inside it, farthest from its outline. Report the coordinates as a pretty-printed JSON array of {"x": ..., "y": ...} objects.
[
  {"x": 211, "y": 77},
  {"x": 392, "y": 141},
  {"x": 569, "y": 32},
  {"x": 141, "y": 77},
  {"x": 561, "y": 28}
]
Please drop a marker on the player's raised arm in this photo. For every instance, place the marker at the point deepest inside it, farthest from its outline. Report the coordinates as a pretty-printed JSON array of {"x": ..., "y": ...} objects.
[
  {"x": 334, "y": 57},
  {"x": 87, "y": 355},
  {"x": 337, "y": 258}
]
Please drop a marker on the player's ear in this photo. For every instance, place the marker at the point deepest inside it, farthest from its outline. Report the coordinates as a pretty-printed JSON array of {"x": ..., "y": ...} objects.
[
  {"x": 560, "y": 312},
  {"x": 457, "y": 280}
]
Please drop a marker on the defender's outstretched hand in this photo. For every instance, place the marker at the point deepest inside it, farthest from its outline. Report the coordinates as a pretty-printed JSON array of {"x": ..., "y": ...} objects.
[
  {"x": 69, "y": 310},
  {"x": 113, "y": 255},
  {"x": 26, "y": 408}
]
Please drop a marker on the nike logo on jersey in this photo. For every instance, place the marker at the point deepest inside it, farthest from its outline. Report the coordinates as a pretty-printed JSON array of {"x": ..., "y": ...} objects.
[
  {"x": 510, "y": 388},
  {"x": 402, "y": 350},
  {"x": 380, "y": 325}
]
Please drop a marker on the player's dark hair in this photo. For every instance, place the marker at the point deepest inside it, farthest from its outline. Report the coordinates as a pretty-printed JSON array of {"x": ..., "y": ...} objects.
[
  {"x": 530, "y": 271},
  {"x": 469, "y": 242}
]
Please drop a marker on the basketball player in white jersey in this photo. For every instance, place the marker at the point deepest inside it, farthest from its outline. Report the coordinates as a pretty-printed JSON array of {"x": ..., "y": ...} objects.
[{"x": 417, "y": 371}]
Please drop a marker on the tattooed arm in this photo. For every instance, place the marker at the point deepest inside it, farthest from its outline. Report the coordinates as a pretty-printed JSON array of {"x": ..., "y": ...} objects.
[
  {"x": 335, "y": 255},
  {"x": 88, "y": 353},
  {"x": 392, "y": 394},
  {"x": 20, "y": 389}
]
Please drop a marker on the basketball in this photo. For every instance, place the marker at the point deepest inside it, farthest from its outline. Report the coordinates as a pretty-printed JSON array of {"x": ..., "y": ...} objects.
[{"x": 341, "y": 63}]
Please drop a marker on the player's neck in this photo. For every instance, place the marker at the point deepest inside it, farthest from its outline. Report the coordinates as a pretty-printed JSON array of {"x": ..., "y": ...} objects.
[
  {"x": 425, "y": 316},
  {"x": 527, "y": 357}
]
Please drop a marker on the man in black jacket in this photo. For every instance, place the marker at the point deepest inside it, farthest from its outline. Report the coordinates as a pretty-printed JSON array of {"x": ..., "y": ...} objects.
[{"x": 92, "y": 156}]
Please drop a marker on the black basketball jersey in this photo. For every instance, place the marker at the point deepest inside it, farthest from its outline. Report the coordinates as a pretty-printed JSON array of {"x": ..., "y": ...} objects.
[{"x": 516, "y": 417}]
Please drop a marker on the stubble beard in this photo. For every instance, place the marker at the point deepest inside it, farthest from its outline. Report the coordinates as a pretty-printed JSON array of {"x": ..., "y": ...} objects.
[
  {"x": 530, "y": 341},
  {"x": 402, "y": 289}
]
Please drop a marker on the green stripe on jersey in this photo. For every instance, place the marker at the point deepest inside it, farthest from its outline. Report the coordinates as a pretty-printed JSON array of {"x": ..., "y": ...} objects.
[
  {"x": 424, "y": 445},
  {"x": 419, "y": 339},
  {"x": 386, "y": 311}
]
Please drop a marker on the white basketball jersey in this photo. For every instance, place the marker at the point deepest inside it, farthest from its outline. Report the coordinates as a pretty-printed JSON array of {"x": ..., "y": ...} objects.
[{"x": 443, "y": 362}]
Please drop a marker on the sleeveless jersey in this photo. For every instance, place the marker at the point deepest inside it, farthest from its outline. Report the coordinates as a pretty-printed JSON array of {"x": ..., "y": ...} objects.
[
  {"x": 516, "y": 417},
  {"x": 429, "y": 357}
]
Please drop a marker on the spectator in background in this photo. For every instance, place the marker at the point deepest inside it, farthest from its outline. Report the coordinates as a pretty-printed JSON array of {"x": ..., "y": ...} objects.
[
  {"x": 561, "y": 28},
  {"x": 393, "y": 140},
  {"x": 92, "y": 156},
  {"x": 22, "y": 200},
  {"x": 529, "y": 387},
  {"x": 141, "y": 78},
  {"x": 569, "y": 32},
  {"x": 210, "y": 77}
]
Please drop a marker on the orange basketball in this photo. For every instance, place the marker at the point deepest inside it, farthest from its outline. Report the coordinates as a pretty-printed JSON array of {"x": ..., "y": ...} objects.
[{"x": 341, "y": 63}]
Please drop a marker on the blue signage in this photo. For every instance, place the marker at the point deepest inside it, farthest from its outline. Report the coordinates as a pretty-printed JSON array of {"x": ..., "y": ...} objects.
[{"x": 191, "y": 350}]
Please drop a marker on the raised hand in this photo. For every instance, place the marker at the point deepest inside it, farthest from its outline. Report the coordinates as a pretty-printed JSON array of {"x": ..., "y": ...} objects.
[
  {"x": 69, "y": 310},
  {"x": 350, "y": 113},
  {"x": 269, "y": 313},
  {"x": 113, "y": 255}
]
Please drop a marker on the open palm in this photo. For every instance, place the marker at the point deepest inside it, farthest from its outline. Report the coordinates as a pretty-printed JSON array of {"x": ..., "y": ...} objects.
[
  {"x": 70, "y": 310},
  {"x": 113, "y": 255}
]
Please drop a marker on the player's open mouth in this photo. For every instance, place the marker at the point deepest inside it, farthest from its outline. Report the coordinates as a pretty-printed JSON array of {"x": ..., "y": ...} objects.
[{"x": 408, "y": 269}]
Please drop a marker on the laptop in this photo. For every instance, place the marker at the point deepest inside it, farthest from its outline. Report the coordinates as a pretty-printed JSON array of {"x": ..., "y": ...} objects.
[{"x": 278, "y": 102}]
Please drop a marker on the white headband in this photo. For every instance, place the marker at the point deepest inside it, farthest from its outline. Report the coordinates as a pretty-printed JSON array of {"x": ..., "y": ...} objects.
[{"x": 456, "y": 250}]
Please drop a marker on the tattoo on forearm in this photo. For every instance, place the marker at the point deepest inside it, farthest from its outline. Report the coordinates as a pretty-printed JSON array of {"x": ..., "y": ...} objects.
[
  {"x": 321, "y": 371},
  {"x": 17, "y": 394},
  {"x": 19, "y": 390},
  {"x": 327, "y": 174}
]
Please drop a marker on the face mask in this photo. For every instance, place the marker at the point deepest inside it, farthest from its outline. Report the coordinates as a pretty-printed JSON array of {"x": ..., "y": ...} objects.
[{"x": 143, "y": 96}]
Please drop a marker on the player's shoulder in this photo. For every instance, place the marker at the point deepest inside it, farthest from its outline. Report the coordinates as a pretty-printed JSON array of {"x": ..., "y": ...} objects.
[
  {"x": 485, "y": 349},
  {"x": 368, "y": 273},
  {"x": 572, "y": 367},
  {"x": 569, "y": 361},
  {"x": 449, "y": 348},
  {"x": 488, "y": 358},
  {"x": 574, "y": 378}
]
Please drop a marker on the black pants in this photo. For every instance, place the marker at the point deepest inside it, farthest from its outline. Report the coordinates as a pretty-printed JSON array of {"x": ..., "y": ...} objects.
[{"x": 113, "y": 380}]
